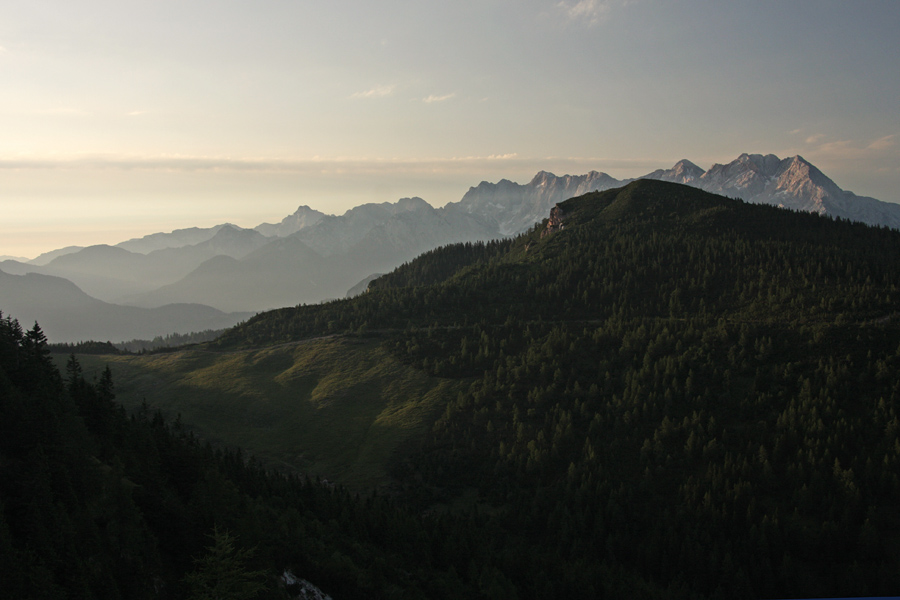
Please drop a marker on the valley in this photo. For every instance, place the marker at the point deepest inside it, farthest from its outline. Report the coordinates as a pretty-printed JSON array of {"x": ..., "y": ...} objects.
[{"x": 336, "y": 407}]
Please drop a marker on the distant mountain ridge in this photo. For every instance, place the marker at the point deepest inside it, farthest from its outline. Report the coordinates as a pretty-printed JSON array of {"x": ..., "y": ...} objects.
[
  {"x": 67, "y": 314},
  {"x": 310, "y": 256},
  {"x": 173, "y": 239},
  {"x": 512, "y": 207},
  {"x": 791, "y": 183},
  {"x": 322, "y": 259}
]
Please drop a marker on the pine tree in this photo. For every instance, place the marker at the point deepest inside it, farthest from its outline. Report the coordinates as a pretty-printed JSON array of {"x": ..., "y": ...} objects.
[{"x": 222, "y": 573}]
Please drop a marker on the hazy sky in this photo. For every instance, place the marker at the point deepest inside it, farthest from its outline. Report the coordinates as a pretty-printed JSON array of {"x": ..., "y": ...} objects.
[{"x": 120, "y": 118}]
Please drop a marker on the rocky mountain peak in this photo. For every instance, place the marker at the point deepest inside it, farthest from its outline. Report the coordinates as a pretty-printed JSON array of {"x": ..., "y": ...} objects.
[
  {"x": 301, "y": 218},
  {"x": 767, "y": 165},
  {"x": 684, "y": 171},
  {"x": 542, "y": 178},
  {"x": 413, "y": 204},
  {"x": 687, "y": 170}
]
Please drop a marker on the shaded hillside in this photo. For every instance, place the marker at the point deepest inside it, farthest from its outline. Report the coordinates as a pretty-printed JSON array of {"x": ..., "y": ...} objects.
[
  {"x": 95, "y": 504},
  {"x": 665, "y": 384},
  {"x": 338, "y": 408}
]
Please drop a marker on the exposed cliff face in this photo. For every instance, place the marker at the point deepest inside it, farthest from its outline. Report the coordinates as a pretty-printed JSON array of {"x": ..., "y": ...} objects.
[{"x": 556, "y": 221}]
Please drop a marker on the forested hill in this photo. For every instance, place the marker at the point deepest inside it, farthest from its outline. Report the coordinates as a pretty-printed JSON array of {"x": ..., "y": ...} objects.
[
  {"x": 675, "y": 385},
  {"x": 651, "y": 249}
]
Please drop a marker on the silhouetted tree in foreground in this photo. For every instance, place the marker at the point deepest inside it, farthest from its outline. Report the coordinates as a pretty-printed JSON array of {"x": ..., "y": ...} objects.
[{"x": 223, "y": 573}]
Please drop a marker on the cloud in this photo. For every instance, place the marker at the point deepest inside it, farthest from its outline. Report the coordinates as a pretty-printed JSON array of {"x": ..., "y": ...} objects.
[
  {"x": 509, "y": 164},
  {"x": 315, "y": 166},
  {"x": 590, "y": 12},
  {"x": 433, "y": 98},
  {"x": 379, "y": 91},
  {"x": 882, "y": 143},
  {"x": 849, "y": 149}
]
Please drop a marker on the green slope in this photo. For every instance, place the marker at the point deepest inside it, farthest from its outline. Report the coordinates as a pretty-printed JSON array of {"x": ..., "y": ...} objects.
[
  {"x": 685, "y": 388},
  {"x": 338, "y": 408}
]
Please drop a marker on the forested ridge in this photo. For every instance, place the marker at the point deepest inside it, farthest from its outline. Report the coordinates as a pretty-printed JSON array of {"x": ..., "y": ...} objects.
[
  {"x": 675, "y": 395},
  {"x": 95, "y": 503}
]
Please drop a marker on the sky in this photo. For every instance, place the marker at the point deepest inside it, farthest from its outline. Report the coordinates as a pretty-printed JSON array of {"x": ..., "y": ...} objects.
[{"x": 120, "y": 118}]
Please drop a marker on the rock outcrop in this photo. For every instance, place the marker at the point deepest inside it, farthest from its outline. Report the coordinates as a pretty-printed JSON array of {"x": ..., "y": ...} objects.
[{"x": 556, "y": 221}]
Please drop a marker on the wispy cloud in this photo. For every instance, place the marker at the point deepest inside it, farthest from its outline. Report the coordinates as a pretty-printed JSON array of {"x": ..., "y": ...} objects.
[
  {"x": 379, "y": 91},
  {"x": 819, "y": 145},
  {"x": 590, "y": 12},
  {"x": 509, "y": 163},
  {"x": 433, "y": 98},
  {"x": 882, "y": 143}
]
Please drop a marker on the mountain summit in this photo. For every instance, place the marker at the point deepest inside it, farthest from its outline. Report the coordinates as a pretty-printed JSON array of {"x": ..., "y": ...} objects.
[
  {"x": 797, "y": 184},
  {"x": 761, "y": 179}
]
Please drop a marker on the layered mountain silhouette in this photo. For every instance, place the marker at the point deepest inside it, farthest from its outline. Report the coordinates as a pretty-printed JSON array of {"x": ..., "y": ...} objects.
[
  {"x": 310, "y": 256},
  {"x": 67, "y": 314}
]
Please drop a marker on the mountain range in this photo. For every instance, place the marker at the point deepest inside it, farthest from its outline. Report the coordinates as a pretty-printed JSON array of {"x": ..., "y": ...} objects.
[
  {"x": 310, "y": 256},
  {"x": 792, "y": 183},
  {"x": 67, "y": 314}
]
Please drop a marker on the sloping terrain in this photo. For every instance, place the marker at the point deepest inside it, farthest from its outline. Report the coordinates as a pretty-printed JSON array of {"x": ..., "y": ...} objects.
[
  {"x": 657, "y": 389},
  {"x": 335, "y": 407}
]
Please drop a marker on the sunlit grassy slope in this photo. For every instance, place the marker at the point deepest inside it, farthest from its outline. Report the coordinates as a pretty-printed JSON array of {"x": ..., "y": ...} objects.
[{"x": 334, "y": 407}]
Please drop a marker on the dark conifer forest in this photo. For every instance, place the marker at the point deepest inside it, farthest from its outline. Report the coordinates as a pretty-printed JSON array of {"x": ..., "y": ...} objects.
[{"x": 674, "y": 395}]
